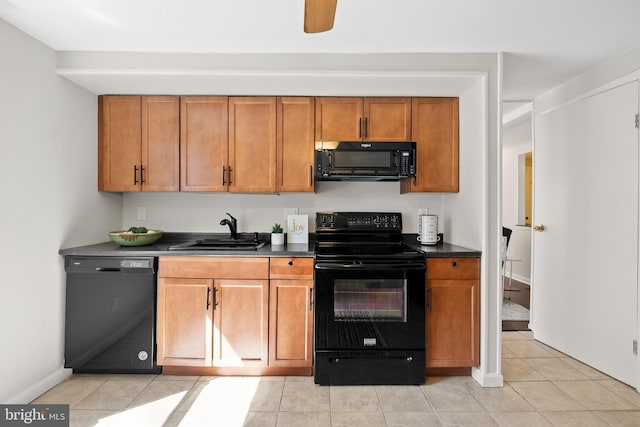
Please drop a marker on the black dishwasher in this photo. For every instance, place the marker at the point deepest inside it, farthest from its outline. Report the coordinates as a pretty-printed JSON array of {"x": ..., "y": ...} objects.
[{"x": 111, "y": 314}]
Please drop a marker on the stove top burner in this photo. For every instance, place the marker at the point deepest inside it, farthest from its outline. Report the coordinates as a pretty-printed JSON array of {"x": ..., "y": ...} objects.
[
  {"x": 361, "y": 236},
  {"x": 357, "y": 251}
]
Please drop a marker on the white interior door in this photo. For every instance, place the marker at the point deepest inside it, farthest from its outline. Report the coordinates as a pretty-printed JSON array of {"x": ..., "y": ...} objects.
[{"x": 585, "y": 262}]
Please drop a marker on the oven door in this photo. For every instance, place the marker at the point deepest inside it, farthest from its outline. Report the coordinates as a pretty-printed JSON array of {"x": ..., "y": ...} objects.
[{"x": 370, "y": 306}]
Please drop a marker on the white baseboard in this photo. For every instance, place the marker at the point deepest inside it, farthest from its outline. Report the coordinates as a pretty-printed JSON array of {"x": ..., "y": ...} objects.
[
  {"x": 40, "y": 387},
  {"x": 521, "y": 279},
  {"x": 487, "y": 380}
]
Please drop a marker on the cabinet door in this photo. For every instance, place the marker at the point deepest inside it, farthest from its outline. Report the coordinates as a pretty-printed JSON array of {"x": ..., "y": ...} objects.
[
  {"x": 252, "y": 144},
  {"x": 387, "y": 119},
  {"x": 160, "y": 143},
  {"x": 184, "y": 322},
  {"x": 434, "y": 128},
  {"x": 119, "y": 143},
  {"x": 339, "y": 119},
  {"x": 240, "y": 333},
  {"x": 291, "y": 320},
  {"x": 452, "y": 323},
  {"x": 204, "y": 143},
  {"x": 295, "y": 140},
  {"x": 453, "y": 312}
]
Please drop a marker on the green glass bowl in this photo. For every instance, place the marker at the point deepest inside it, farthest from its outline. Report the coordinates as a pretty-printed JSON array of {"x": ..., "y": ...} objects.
[{"x": 124, "y": 238}]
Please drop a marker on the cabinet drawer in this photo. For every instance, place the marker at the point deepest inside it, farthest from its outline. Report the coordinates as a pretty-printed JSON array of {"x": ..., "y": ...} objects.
[
  {"x": 291, "y": 268},
  {"x": 453, "y": 268},
  {"x": 214, "y": 267}
]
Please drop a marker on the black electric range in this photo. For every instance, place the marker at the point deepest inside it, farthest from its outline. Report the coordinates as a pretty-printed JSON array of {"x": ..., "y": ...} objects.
[{"x": 369, "y": 301}]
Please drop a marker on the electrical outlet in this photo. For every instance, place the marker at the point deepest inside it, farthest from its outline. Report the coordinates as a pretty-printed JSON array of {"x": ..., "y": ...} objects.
[
  {"x": 287, "y": 212},
  {"x": 142, "y": 214}
]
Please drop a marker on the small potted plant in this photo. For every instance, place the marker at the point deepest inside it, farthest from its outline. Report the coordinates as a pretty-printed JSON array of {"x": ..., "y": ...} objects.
[{"x": 277, "y": 235}]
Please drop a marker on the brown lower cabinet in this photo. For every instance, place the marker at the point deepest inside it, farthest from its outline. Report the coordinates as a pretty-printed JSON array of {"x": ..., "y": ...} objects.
[
  {"x": 224, "y": 316},
  {"x": 453, "y": 313},
  {"x": 291, "y": 312},
  {"x": 240, "y": 325},
  {"x": 184, "y": 321}
]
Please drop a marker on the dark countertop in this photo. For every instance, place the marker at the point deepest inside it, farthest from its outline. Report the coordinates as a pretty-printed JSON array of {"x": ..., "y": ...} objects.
[
  {"x": 446, "y": 250},
  {"x": 161, "y": 248}
]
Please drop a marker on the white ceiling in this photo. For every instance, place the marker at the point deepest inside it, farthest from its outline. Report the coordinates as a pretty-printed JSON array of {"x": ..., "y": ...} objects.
[{"x": 545, "y": 42}]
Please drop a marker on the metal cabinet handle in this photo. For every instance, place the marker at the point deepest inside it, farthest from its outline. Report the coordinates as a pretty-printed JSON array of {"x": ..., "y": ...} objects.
[
  {"x": 290, "y": 263},
  {"x": 223, "y": 172},
  {"x": 141, "y": 174},
  {"x": 366, "y": 127},
  {"x": 360, "y": 127},
  {"x": 454, "y": 264},
  {"x": 430, "y": 300},
  {"x": 310, "y": 176},
  {"x": 311, "y": 299},
  {"x": 215, "y": 297},
  {"x": 229, "y": 171},
  {"x": 208, "y": 295},
  {"x": 135, "y": 174}
]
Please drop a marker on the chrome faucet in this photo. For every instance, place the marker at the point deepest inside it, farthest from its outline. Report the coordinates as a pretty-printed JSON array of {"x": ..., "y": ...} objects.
[{"x": 233, "y": 226}]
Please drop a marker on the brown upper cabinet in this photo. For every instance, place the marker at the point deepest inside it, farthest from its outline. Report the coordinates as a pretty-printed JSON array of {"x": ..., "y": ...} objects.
[
  {"x": 138, "y": 143},
  {"x": 363, "y": 119},
  {"x": 263, "y": 144},
  {"x": 295, "y": 144},
  {"x": 204, "y": 143},
  {"x": 434, "y": 125},
  {"x": 252, "y": 144}
]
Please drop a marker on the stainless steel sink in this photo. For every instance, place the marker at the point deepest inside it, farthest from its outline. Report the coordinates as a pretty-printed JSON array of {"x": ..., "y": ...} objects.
[{"x": 219, "y": 245}]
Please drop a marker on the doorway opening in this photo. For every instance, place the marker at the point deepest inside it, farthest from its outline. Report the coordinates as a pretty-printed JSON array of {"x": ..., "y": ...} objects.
[{"x": 517, "y": 183}]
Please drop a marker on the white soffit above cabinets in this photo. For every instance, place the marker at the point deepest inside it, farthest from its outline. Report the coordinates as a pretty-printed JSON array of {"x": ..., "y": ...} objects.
[{"x": 545, "y": 42}]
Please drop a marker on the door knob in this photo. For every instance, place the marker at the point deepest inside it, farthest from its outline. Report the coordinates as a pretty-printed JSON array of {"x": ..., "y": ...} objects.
[{"x": 538, "y": 227}]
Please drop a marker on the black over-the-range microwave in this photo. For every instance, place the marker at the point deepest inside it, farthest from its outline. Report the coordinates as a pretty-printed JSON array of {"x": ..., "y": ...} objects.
[{"x": 365, "y": 161}]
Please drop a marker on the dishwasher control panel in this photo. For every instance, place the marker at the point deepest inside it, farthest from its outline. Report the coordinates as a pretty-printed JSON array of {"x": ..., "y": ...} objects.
[{"x": 135, "y": 263}]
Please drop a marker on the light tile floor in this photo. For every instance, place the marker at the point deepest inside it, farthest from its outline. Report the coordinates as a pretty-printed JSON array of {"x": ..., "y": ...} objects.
[{"x": 543, "y": 387}]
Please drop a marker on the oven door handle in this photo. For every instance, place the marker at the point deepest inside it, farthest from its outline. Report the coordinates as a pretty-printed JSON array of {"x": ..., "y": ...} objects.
[{"x": 365, "y": 266}]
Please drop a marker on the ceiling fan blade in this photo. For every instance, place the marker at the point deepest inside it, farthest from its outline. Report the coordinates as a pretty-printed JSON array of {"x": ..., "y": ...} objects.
[{"x": 319, "y": 15}]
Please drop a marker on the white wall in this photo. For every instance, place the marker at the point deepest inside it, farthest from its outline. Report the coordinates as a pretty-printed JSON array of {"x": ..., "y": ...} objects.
[
  {"x": 258, "y": 212},
  {"x": 48, "y": 179},
  {"x": 516, "y": 141}
]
